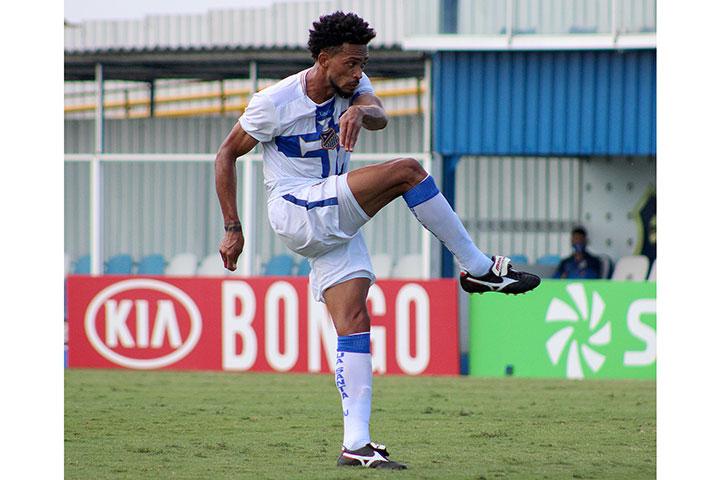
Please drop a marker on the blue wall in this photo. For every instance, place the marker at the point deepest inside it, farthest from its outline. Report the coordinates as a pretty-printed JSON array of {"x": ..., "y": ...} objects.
[{"x": 544, "y": 103}]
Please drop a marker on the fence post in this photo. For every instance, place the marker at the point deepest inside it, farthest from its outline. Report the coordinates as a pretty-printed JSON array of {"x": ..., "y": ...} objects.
[
  {"x": 96, "y": 178},
  {"x": 449, "y": 167}
]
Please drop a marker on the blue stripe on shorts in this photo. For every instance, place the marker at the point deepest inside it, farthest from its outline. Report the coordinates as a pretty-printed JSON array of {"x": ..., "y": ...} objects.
[{"x": 310, "y": 205}]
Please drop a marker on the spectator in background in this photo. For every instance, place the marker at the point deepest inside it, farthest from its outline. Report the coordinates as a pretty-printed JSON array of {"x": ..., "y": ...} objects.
[{"x": 581, "y": 264}]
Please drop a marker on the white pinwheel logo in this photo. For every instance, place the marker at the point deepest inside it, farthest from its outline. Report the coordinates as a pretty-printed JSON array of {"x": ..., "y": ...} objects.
[{"x": 560, "y": 311}]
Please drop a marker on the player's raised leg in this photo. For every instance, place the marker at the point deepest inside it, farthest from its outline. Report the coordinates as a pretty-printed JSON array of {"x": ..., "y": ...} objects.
[
  {"x": 346, "y": 303},
  {"x": 375, "y": 186}
]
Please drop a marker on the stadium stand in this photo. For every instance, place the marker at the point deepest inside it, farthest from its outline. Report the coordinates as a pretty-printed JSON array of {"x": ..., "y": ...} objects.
[
  {"x": 82, "y": 265},
  {"x": 542, "y": 271},
  {"x": 631, "y": 267},
  {"x": 582, "y": 30},
  {"x": 553, "y": 260},
  {"x": 653, "y": 272},
  {"x": 120, "y": 264},
  {"x": 382, "y": 264},
  {"x": 151, "y": 265},
  {"x": 606, "y": 265},
  {"x": 182, "y": 264},
  {"x": 238, "y": 272},
  {"x": 211, "y": 266},
  {"x": 303, "y": 268},
  {"x": 409, "y": 266},
  {"x": 279, "y": 265},
  {"x": 519, "y": 259}
]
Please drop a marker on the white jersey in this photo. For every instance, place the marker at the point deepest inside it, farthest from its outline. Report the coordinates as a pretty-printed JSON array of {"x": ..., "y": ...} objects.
[{"x": 299, "y": 137}]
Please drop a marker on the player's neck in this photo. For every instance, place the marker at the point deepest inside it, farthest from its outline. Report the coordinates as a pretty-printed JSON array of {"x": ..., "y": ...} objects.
[{"x": 317, "y": 88}]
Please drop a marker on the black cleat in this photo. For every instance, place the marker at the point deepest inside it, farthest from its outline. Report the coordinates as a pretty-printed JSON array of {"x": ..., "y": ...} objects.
[
  {"x": 501, "y": 278},
  {"x": 371, "y": 455}
]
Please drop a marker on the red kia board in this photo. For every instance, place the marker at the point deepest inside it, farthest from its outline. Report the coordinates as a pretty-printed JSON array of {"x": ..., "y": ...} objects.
[{"x": 266, "y": 324}]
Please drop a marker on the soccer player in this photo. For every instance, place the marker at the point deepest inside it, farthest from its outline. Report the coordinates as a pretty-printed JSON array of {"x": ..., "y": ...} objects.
[{"x": 308, "y": 124}]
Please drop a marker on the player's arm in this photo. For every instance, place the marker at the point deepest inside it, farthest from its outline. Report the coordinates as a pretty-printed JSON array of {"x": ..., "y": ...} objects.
[
  {"x": 237, "y": 143},
  {"x": 374, "y": 116},
  {"x": 367, "y": 111}
]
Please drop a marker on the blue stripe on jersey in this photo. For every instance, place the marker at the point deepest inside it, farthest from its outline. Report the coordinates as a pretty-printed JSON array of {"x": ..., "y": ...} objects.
[
  {"x": 289, "y": 146},
  {"x": 310, "y": 205},
  {"x": 357, "y": 343},
  {"x": 422, "y": 192},
  {"x": 309, "y": 145}
]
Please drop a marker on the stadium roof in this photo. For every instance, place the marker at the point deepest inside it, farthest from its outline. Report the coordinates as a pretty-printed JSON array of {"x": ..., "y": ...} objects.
[
  {"x": 222, "y": 43},
  {"x": 213, "y": 63}
]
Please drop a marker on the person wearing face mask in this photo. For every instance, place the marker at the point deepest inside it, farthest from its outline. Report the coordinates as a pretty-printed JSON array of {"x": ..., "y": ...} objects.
[{"x": 581, "y": 264}]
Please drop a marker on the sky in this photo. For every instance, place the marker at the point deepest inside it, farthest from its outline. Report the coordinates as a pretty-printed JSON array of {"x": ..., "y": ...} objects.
[{"x": 78, "y": 10}]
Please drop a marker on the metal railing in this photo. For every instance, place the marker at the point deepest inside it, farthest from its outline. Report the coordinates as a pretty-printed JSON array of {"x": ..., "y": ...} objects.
[
  {"x": 130, "y": 106},
  {"x": 251, "y": 207}
]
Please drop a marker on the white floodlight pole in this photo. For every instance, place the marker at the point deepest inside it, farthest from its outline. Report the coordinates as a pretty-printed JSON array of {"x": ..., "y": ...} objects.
[
  {"x": 248, "y": 214},
  {"x": 253, "y": 76},
  {"x": 248, "y": 194},
  {"x": 613, "y": 22},
  {"x": 427, "y": 159},
  {"x": 96, "y": 178},
  {"x": 509, "y": 14},
  {"x": 427, "y": 107}
]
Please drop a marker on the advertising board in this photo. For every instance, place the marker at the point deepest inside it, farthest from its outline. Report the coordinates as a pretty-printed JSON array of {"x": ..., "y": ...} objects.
[
  {"x": 566, "y": 329},
  {"x": 261, "y": 324}
]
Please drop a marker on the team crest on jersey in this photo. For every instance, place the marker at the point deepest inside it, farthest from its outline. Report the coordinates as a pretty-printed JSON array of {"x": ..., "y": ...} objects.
[{"x": 329, "y": 139}]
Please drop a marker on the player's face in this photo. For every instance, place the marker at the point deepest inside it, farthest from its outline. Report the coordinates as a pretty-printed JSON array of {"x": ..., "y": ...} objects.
[{"x": 345, "y": 68}]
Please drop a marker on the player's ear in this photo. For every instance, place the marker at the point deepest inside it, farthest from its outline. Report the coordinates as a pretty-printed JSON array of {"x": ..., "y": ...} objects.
[{"x": 323, "y": 58}]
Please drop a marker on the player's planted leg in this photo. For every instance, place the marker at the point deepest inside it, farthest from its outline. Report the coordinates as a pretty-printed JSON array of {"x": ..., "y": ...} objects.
[
  {"x": 353, "y": 378},
  {"x": 353, "y": 374},
  {"x": 371, "y": 455}
]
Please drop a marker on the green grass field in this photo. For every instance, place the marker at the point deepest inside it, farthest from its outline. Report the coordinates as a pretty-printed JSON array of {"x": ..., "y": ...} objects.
[{"x": 148, "y": 425}]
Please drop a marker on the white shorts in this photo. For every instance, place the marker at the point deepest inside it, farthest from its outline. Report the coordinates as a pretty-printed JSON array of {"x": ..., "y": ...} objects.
[{"x": 321, "y": 221}]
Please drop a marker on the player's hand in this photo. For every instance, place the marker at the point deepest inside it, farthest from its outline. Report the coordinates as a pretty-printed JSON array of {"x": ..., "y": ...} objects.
[
  {"x": 230, "y": 249},
  {"x": 350, "y": 125}
]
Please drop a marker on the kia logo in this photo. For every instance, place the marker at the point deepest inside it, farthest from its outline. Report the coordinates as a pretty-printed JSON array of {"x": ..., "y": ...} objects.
[{"x": 152, "y": 335}]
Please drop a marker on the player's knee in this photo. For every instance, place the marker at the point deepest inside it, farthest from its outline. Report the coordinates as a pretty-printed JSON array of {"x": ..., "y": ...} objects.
[
  {"x": 406, "y": 173},
  {"x": 413, "y": 171},
  {"x": 355, "y": 321}
]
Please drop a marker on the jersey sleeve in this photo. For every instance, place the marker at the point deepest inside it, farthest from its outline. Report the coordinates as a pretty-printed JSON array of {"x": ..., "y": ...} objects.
[
  {"x": 364, "y": 87},
  {"x": 260, "y": 119}
]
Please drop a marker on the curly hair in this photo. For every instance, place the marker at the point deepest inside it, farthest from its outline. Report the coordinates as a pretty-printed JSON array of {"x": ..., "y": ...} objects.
[{"x": 337, "y": 28}]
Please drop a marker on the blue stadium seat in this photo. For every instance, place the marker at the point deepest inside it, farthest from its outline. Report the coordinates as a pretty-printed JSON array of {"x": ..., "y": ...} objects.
[
  {"x": 151, "y": 265},
  {"x": 304, "y": 268},
  {"x": 82, "y": 266},
  {"x": 279, "y": 265},
  {"x": 581, "y": 29},
  {"x": 548, "y": 260},
  {"x": 119, "y": 265},
  {"x": 519, "y": 259},
  {"x": 519, "y": 31}
]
